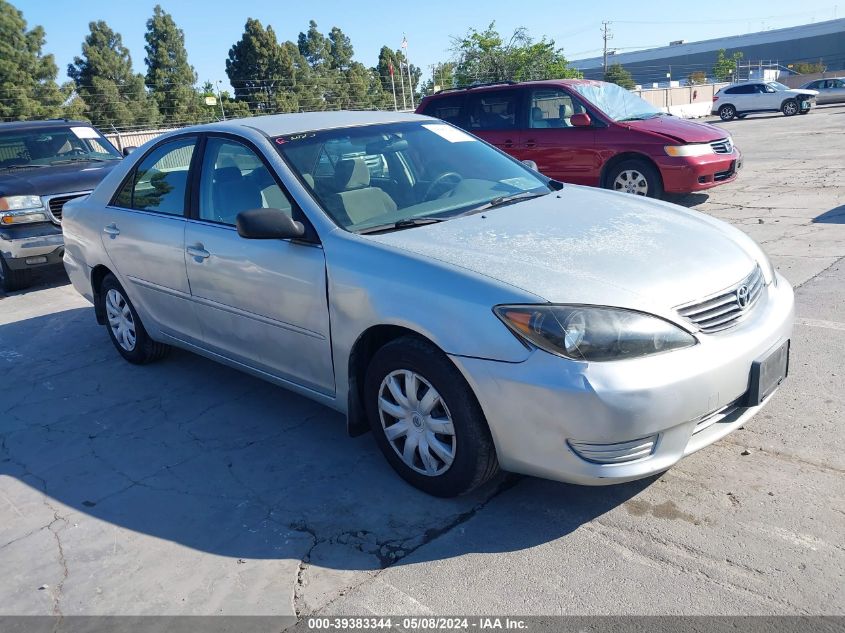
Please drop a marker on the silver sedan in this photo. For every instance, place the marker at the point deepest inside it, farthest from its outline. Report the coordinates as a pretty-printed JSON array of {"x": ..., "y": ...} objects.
[
  {"x": 831, "y": 90},
  {"x": 472, "y": 313}
]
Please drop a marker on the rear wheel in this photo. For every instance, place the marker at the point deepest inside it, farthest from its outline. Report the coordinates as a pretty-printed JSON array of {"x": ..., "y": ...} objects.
[
  {"x": 727, "y": 112},
  {"x": 125, "y": 328},
  {"x": 426, "y": 419},
  {"x": 790, "y": 107},
  {"x": 11, "y": 280},
  {"x": 636, "y": 177}
]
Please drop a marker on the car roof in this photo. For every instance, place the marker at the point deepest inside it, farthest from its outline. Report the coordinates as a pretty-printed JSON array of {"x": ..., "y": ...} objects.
[
  {"x": 499, "y": 85},
  {"x": 282, "y": 124},
  {"x": 37, "y": 125}
]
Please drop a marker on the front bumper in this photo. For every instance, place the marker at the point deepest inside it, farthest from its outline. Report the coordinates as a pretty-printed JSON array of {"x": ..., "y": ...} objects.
[
  {"x": 539, "y": 409},
  {"x": 31, "y": 246},
  {"x": 685, "y": 175}
]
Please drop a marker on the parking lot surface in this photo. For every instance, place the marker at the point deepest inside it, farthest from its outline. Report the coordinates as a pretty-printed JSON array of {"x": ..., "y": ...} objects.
[{"x": 185, "y": 487}]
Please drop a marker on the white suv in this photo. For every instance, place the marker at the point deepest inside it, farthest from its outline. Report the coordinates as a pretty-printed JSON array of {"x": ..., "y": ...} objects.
[{"x": 741, "y": 99}]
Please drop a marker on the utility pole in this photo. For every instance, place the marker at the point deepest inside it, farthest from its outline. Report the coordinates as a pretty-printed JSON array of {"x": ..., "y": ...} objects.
[{"x": 606, "y": 35}]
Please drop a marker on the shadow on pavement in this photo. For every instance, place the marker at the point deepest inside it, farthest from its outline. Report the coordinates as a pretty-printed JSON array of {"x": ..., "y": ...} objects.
[
  {"x": 834, "y": 216},
  {"x": 688, "y": 200},
  {"x": 198, "y": 454}
]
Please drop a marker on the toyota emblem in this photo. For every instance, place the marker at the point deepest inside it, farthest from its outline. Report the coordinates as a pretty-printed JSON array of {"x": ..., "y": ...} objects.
[{"x": 742, "y": 296}]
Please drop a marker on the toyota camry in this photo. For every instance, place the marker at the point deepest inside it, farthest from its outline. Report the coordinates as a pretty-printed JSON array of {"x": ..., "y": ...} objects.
[{"x": 473, "y": 313}]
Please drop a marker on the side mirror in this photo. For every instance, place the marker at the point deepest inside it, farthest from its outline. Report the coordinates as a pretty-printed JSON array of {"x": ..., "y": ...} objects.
[
  {"x": 530, "y": 164},
  {"x": 129, "y": 149},
  {"x": 268, "y": 224},
  {"x": 582, "y": 119}
]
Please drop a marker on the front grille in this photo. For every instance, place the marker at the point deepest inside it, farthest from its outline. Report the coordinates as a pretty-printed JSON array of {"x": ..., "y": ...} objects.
[
  {"x": 719, "y": 176},
  {"x": 726, "y": 308},
  {"x": 57, "y": 203},
  {"x": 723, "y": 146},
  {"x": 615, "y": 453}
]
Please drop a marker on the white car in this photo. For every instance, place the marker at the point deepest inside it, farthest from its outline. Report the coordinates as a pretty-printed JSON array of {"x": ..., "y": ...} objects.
[{"x": 750, "y": 97}]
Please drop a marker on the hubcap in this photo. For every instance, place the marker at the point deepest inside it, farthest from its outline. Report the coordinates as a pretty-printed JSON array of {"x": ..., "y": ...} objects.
[
  {"x": 631, "y": 181},
  {"x": 791, "y": 108},
  {"x": 417, "y": 422},
  {"x": 120, "y": 320}
]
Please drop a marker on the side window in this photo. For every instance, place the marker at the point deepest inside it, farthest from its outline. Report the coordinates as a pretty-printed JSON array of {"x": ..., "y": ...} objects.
[
  {"x": 447, "y": 109},
  {"x": 551, "y": 108},
  {"x": 234, "y": 179},
  {"x": 160, "y": 181},
  {"x": 493, "y": 110},
  {"x": 838, "y": 83}
]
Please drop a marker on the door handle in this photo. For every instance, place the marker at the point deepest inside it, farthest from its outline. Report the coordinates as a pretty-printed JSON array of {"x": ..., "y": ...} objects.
[
  {"x": 111, "y": 230},
  {"x": 531, "y": 143},
  {"x": 508, "y": 143},
  {"x": 197, "y": 251}
]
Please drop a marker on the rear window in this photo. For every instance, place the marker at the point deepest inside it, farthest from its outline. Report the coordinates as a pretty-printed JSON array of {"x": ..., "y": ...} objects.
[
  {"x": 447, "y": 108},
  {"x": 493, "y": 110}
]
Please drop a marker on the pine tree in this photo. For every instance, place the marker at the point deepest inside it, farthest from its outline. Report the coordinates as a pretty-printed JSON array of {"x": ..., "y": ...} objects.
[
  {"x": 616, "y": 74},
  {"x": 170, "y": 77},
  {"x": 28, "y": 88},
  {"x": 115, "y": 96}
]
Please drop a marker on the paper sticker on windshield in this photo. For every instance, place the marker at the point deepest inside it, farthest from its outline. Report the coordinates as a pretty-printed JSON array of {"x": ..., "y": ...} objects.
[
  {"x": 85, "y": 132},
  {"x": 521, "y": 182},
  {"x": 451, "y": 134}
]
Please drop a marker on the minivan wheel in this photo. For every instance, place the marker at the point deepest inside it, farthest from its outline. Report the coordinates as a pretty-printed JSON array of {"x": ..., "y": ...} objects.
[
  {"x": 11, "y": 280},
  {"x": 790, "y": 107},
  {"x": 124, "y": 325},
  {"x": 426, "y": 419},
  {"x": 636, "y": 177},
  {"x": 727, "y": 112}
]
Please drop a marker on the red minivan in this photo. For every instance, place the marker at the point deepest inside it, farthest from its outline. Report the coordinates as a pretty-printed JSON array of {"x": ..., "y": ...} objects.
[{"x": 592, "y": 133}]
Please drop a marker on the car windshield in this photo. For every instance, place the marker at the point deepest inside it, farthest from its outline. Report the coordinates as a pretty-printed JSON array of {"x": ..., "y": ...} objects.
[
  {"x": 397, "y": 175},
  {"x": 616, "y": 102},
  {"x": 43, "y": 147},
  {"x": 777, "y": 86}
]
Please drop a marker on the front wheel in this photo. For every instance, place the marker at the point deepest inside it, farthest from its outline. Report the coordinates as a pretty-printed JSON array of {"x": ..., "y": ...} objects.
[
  {"x": 426, "y": 419},
  {"x": 125, "y": 328},
  {"x": 790, "y": 107},
  {"x": 636, "y": 177},
  {"x": 727, "y": 112}
]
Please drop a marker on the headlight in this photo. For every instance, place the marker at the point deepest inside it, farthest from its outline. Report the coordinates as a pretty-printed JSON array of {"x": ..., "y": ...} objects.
[
  {"x": 593, "y": 333},
  {"x": 21, "y": 210},
  {"x": 696, "y": 149}
]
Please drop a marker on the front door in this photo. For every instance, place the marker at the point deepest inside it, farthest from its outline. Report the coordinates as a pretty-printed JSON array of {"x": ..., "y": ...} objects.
[
  {"x": 143, "y": 233},
  {"x": 562, "y": 151},
  {"x": 259, "y": 302}
]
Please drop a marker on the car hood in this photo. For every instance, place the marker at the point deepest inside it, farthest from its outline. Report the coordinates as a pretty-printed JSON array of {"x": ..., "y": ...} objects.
[
  {"x": 679, "y": 129},
  {"x": 591, "y": 246},
  {"x": 46, "y": 181}
]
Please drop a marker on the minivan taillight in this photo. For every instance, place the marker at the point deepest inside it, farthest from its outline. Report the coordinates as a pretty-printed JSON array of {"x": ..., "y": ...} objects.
[{"x": 715, "y": 97}]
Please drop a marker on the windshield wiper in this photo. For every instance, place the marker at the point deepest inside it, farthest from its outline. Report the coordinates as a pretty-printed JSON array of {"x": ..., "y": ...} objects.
[
  {"x": 405, "y": 223},
  {"x": 78, "y": 159},
  {"x": 23, "y": 166},
  {"x": 503, "y": 200}
]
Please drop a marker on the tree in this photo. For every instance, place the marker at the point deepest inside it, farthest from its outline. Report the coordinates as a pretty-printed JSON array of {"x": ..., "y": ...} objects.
[
  {"x": 725, "y": 67},
  {"x": 808, "y": 68},
  {"x": 261, "y": 70},
  {"x": 170, "y": 77},
  {"x": 314, "y": 46},
  {"x": 696, "y": 78},
  {"x": 341, "y": 51},
  {"x": 442, "y": 76},
  {"x": 396, "y": 60},
  {"x": 115, "y": 96},
  {"x": 616, "y": 74},
  {"x": 28, "y": 88}
]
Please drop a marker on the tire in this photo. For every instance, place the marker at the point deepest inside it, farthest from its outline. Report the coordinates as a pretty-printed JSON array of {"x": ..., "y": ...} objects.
[
  {"x": 727, "y": 112},
  {"x": 123, "y": 322},
  {"x": 790, "y": 107},
  {"x": 635, "y": 176},
  {"x": 465, "y": 458},
  {"x": 11, "y": 280}
]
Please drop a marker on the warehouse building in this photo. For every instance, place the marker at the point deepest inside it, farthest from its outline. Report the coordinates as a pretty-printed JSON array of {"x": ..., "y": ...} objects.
[{"x": 810, "y": 43}]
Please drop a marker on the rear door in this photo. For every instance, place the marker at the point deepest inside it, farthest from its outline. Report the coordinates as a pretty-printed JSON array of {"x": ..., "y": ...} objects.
[
  {"x": 743, "y": 98},
  {"x": 143, "y": 233},
  {"x": 497, "y": 116},
  {"x": 561, "y": 151},
  {"x": 260, "y": 302}
]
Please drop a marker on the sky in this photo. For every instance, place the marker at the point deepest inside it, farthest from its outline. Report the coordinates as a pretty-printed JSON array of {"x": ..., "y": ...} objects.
[{"x": 212, "y": 26}]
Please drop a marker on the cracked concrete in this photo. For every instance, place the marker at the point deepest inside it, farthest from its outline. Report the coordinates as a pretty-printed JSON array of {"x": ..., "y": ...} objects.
[{"x": 185, "y": 487}]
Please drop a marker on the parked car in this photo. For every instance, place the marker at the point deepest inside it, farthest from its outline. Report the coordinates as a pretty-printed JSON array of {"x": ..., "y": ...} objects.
[
  {"x": 752, "y": 97},
  {"x": 43, "y": 164},
  {"x": 830, "y": 90},
  {"x": 592, "y": 133},
  {"x": 471, "y": 312}
]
